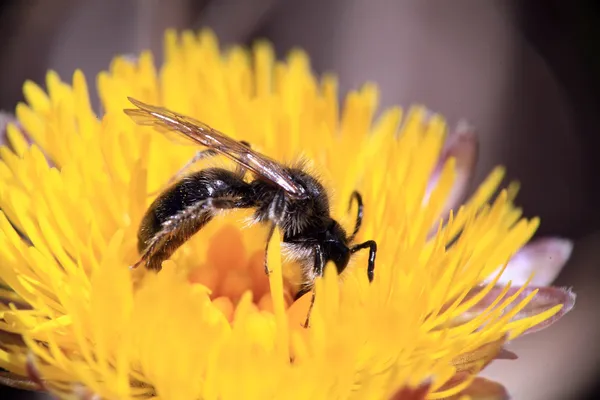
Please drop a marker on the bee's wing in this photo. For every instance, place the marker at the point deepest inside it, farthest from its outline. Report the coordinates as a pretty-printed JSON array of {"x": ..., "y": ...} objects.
[
  {"x": 168, "y": 121},
  {"x": 146, "y": 118}
]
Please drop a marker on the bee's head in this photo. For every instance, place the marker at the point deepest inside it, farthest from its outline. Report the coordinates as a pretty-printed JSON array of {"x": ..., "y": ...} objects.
[{"x": 335, "y": 246}]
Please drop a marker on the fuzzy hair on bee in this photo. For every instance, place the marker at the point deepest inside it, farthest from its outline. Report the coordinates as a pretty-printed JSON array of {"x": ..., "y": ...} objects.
[{"x": 287, "y": 197}]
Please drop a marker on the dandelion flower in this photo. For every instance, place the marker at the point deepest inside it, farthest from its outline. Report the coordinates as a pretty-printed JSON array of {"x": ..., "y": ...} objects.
[{"x": 77, "y": 322}]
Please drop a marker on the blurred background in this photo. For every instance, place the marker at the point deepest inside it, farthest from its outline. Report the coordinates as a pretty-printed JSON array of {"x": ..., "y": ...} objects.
[{"x": 525, "y": 73}]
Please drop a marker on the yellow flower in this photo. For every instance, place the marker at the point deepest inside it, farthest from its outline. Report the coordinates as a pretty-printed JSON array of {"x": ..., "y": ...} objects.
[{"x": 211, "y": 325}]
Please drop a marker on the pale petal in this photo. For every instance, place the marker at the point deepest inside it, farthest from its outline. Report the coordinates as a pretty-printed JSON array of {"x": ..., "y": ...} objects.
[
  {"x": 545, "y": 299},
  {"x": 5, "y": 119},
  {"x": 33, "y": 373},
  {"x": 506, "y": 354},
  {"x": 478, "y": 389},
  {"x": 545, "y": 257},
  {"x": 19, "y": 140},
  {"x": 485, "y": 389},
  {"x": 131, "y": 57},
  {"x": 463, "y": 145},
  {"x": 81, "y": 392},
  {"x": 407, "y": 393}
]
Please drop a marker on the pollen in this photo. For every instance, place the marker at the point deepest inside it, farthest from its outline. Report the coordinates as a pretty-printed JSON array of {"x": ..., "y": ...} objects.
[{"x": 211, "y": 325}]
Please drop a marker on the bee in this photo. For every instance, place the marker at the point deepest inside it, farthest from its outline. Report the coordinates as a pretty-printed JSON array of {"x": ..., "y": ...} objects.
[{"x": 281, "y": 196}]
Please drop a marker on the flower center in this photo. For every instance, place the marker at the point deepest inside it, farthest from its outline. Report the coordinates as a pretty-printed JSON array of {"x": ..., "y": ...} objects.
[{"x": 233, "y": 263}]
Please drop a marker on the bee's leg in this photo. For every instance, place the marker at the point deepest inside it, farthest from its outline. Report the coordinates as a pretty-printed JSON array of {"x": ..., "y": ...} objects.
[
  {"x": 200, "y": 155},
  {"x": 359, "y": 214},
  {"x": 319, "y": 266},
  {"x": 302, "y": 292},
  {"x": 277, "y": 210},
  {"x": 372, "y": 246},
  {"x": 269, "y": 236}
]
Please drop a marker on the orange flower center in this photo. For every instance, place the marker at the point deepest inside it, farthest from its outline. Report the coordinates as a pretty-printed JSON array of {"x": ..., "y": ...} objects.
[{"x": 235, "y": 264}]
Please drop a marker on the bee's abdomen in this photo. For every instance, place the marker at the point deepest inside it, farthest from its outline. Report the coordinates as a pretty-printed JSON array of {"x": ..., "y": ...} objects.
[
  {"x": 185, "y": 208},
  {"x": 167, "y": 206}
]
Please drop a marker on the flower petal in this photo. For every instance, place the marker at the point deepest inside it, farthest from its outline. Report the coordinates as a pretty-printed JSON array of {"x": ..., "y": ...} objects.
[
  {"x": 478, "y": 388},
  {"x": 484, "y": 389},
  {"x": 81, "y": 392},
  {"x": 34, "y": 375},
  {"x": 5, "y": 119},
  {"x": 17, "y": 382},
  {"x": 408, "y": 393},
  {"x": 13, "y": 135},
  {"x": 477, "y": 359},
  {"x": 545, "y": 300},
  {"x": 545, "y": 257},
  {"x": 462, "y": 145},
  {"x": 506, "y": 354}
]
